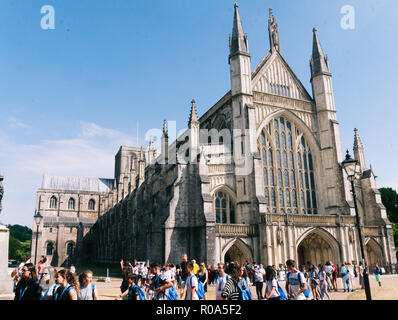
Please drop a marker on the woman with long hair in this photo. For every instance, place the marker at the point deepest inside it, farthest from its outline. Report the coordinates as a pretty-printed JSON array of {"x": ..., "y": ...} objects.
[
  {"x": 28, "y": 287},
  {"x": 68, "y": 286},
  {"x": 271, "y": 284},
  {"x": 87, "y": 289},
  {"x": 41, "y": 265},
  {"x": 203, "y": 277},
  {"x": 244, "y": 276},
  {"x": 314, "y": 281},
  {"x": 323, "y": 283},
  {"x": 47, "y": 283}
]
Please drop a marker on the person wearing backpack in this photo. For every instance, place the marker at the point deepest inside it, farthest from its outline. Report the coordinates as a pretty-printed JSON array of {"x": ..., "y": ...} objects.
[
  {"x": 296, "y": 283},
  {"x": 345, "y": 277},
  {"x": 232, "y": 289},
  {"x": 159, "y": 283},
  {"x": 191, "y": 284},
  {"x": 221, "y": 280},
  {"x": 203, "y": 277},
  {"x": 271, "y": 285},
  {"x": 28, "y": 287},
  {"x": 88, "y": 290},
  {"x": 68, "y": 286},
  {"x": 134, "y": 292}
]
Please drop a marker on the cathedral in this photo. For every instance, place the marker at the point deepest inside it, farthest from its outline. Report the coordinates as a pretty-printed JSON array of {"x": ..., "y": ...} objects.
[{"x": 258, "y": 177}]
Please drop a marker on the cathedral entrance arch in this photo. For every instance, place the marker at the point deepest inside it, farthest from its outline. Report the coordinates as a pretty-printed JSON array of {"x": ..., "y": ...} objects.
[
  {"x": 373, "y": 253},
  {"x": 238, "y": 251},
  {"x": 318, "y": 246}
]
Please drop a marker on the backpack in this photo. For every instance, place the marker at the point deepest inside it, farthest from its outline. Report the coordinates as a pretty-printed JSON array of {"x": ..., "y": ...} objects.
[
  {"x": 200, "y": 290},
  {"x": 282, "y": 293},
  {"x": 246, "y": 294},
  {"x": 141, "y": 293},
  {"x": 172, "y": 294}
]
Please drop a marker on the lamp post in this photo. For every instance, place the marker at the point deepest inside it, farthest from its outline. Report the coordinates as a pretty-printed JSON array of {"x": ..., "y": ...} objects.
[
  {"x": 37, "y": 218},
  {"x": 352, "y": 169}
]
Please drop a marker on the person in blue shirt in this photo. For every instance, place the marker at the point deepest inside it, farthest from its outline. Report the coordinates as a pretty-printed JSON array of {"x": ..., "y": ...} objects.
[{"x": 377, "y": 274}]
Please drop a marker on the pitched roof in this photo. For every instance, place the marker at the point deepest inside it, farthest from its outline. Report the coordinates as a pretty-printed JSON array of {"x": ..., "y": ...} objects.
[{"x": 76, "y": 183}]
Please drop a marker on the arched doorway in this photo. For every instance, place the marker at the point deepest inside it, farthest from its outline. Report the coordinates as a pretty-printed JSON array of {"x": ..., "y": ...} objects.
[
  {"x": 318, "y": 248},
  {"x": 373, "y": 253},
  {"x": 239, "y": 252}
]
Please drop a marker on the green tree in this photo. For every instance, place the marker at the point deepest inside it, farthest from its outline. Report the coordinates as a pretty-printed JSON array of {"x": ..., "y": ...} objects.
[
  {"x": 19, "y": 242},
  {"x": 389, "y": 197}
]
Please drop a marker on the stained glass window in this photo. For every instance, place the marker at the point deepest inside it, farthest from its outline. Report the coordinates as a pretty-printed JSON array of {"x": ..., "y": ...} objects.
[{"x": 293, "y": 190}]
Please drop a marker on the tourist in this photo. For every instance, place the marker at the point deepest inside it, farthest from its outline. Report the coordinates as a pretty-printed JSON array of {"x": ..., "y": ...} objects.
[
  {"x": 351, "y": 274},
  {"x": 178, "y": 275},
  {"x": 259, "y": 279},
  {"x": 377, "y": 273},
  {"x": 231, "y": 290},
  {"x": 192, "y": 283},
  {"x": 323, "y": 285},
  {"x": 159, "y": 283},
  {"x": 195, "y": 267},
  {"x": 360, "y": 275},
  {"x": 212, "y": 275},
  {"x": 40, "y": 265},
  {"x": 140, "y": 273},
  {"x": 276, "y": 271},
  {"x": 126, "y": 270},
  {"x": 307, "y": 277},
  {"x": 28, "y": 287},
  {"x": 295, "y": 282},
  {"x": 271, "y": 284},
  {"x": 88, "y": 290},
  {"x": 203, "y": 277},
  {"x": 246, "y": 279},
  {"x": 72, "y": 269},
  {"x": 167, "y": 273},
  {"x": 248, "y": 269},
  {"x": 184, "y": 273},
  {"x": 21, "y": 265},
  {"x": 345, "y": 277},
  {"x": 220, "y": 281},
  {"x": 314, "y": 281},
  {"x": 47, "y": 283},
  {"x": 15, "y": 278},
  {"x": 68, "y": 286},
  {"x": 334, "y": 276},
  {"x": 133, "y": 291},
  {"x": 149, "y": 294}
]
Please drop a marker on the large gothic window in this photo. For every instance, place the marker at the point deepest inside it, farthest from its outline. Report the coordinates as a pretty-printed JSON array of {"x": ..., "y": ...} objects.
[
  {"x": 224, "y": 208},
  {"x": 288, "y": 169}
]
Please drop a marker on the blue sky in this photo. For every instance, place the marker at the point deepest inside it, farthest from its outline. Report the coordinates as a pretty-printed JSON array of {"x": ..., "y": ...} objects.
[{"x": 70, "y": 97}]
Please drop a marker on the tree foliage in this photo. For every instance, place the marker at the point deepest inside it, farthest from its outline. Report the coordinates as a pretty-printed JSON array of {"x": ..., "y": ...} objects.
[
  {"x": 389, "y": 197},
  {"x": 20, "y": 242}
]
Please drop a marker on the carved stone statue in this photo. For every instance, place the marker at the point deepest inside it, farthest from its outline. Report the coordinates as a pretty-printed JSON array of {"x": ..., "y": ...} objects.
[
  {"x": 273, "y": 32},
  {"x": 1, "y": 190}
]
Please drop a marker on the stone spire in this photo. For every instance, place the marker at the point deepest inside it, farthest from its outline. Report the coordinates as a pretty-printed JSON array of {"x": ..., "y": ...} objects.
[
  {"x": 273, "y": 33},
  {"x": 319, "y": 63},
  {"x": 358, "y": 150},
  {"x": 238, "y": 42},
  {"x": 193, "y": 117},
  {"x": 165, "y": 132}
]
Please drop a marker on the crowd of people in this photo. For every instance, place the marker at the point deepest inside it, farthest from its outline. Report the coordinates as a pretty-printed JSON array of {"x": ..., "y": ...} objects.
[{"x": 189, "y": 281}]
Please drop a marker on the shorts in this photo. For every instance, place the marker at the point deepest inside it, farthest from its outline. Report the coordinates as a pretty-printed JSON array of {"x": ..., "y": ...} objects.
[{"x": 377, "y": 277}]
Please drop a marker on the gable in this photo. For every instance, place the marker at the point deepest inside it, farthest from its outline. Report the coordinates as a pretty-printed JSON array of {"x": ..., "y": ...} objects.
[{"x": 274, "y": 76}]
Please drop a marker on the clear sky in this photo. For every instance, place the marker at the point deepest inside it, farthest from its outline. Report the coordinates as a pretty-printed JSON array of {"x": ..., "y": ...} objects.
[{"x": 69, "y": 97}]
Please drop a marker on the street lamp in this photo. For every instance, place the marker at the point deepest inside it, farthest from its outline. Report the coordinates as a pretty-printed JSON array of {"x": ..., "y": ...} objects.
[
  {"x": 352, "y": 169},
  {"x": 37, "y": 218}
]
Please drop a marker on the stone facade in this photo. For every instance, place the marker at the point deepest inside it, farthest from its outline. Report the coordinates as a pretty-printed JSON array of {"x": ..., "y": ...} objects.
[{"x": 258, "y": 177}]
